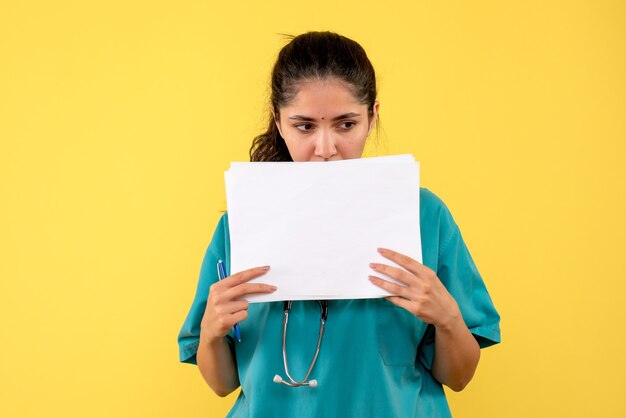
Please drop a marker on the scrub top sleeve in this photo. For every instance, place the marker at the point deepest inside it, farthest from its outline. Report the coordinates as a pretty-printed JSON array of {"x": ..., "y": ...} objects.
[
  {"x": 189, "y": 335},
  {"x": 457, "y": 271}
]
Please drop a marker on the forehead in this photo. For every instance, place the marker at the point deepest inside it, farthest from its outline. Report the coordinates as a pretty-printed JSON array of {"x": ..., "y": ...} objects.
[{"x": 324, "y": 93}]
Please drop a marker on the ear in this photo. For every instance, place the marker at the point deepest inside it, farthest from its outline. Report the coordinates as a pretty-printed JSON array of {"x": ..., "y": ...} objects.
[
  {"x": 374, "y": 116},
  {"x": 277, "y": 122}
]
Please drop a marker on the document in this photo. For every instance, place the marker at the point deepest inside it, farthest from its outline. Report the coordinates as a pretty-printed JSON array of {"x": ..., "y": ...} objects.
[{"x": 318, "y": 224}]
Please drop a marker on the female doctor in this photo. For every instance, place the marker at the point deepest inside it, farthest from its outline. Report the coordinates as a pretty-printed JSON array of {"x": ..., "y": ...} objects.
[{"x": 386, "y": 357}]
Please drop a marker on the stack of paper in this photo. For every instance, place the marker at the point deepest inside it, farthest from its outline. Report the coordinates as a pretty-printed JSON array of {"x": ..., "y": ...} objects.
[{"x": 318, "y": 224}]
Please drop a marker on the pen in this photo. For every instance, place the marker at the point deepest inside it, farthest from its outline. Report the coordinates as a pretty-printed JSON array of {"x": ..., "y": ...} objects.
[{"x": 221, "y": 274}]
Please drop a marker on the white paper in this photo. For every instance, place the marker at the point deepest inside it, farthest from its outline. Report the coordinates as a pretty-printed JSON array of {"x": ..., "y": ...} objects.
[{"x": 318, "y": 224}]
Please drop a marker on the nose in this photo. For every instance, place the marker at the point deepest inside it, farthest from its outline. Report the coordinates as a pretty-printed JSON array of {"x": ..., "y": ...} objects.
[{"x": 325, "y": 145}]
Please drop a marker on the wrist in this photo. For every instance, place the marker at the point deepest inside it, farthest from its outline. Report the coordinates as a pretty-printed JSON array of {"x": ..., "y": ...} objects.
[
  {"x": 210, "y": 340},
  {"x": 452, "y": 321}
]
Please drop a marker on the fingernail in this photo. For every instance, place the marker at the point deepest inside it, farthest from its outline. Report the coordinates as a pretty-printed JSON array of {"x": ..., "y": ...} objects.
[
  {"x": 383, "y": 250},
  {"x": 373, "y": 265},
  {"x": 265, "y": 268},
  {"x": 273, "y": 288}
]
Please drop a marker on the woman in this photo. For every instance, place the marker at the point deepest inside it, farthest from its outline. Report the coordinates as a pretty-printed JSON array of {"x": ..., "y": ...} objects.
[{"x": 379, "y": 357}]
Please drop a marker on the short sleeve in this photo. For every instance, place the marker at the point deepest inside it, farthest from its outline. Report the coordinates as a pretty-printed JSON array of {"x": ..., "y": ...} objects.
[
  {"x": 457, "y": 271},
  {"x": 189, "y": 335}
]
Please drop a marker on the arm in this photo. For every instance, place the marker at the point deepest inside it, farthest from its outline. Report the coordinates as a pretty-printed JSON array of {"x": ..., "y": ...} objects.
[
  {"x": 456, "y": 354},
  {"x": 225, "y": 307},
  {"x": 217, "y": 365},
  {"x": 424, "y": 295}
]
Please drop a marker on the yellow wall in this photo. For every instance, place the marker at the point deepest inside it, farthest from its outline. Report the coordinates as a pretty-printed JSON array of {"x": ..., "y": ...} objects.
[{"x": 117, "y": 120}]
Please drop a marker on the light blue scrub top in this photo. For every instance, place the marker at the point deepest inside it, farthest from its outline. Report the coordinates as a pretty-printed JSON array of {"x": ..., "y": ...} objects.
[{"x": 375, "y": 357}]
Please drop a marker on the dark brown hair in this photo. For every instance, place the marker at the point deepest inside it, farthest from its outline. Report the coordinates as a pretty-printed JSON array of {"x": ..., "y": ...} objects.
[{"x": 310, "y": 56}]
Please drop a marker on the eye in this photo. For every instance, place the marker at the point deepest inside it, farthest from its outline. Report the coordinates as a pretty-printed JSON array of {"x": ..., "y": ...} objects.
[
  {"x": 349, "y": 123},
  {"x": 305, "y": 127}
]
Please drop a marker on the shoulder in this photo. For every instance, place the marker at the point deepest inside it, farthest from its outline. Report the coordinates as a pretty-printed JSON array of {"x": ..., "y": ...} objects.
[
  {"x": 223, "y": 222},
  {"x": 221, "y": 236},
  {"x": 430, "y": 200},
  {"x": 432, "y": 207},
  {"x": 436, "y": 220}
]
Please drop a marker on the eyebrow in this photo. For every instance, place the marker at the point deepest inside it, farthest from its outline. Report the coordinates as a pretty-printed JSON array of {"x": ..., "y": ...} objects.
[{"x": 309, "y": 119}]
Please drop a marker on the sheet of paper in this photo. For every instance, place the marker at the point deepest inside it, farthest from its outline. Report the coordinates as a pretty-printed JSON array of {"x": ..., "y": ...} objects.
[
  {"x": 318, "y": 224},
  {"x": 368, "y": 160}
]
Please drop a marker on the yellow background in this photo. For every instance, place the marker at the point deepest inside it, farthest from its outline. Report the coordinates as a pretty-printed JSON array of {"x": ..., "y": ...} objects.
[{"x": 117, "y": 120}]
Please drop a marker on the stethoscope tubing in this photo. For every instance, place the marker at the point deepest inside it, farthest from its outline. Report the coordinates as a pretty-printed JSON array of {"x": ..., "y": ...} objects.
[{"x": 292, "y": 382}]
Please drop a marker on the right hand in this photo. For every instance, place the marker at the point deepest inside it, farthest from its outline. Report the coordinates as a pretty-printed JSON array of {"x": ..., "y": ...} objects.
[{"x": 225, "y": 307}]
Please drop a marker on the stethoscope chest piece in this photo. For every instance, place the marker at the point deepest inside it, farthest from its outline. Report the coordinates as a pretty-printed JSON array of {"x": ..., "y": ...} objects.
[{"x": 304, "y": 382}]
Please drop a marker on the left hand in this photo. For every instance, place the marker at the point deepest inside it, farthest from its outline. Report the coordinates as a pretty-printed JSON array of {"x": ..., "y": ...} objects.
[{"x": 423, "y": 294}]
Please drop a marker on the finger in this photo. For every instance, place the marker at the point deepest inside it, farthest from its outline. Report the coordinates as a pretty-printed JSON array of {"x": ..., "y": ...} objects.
[
  {"x": 393, "y": 288},
  {"x": 244, "y": 276},
  {"x": 405, "y": 261},
  {"x": 247, "y": 289},
  {"x": 400, "y": 301},
  {"x": 229, "y": 321},
  {"x": 400, "y": 275},
  {"x": 232, "y": 307},
  {"x": 239, "y": 316}
]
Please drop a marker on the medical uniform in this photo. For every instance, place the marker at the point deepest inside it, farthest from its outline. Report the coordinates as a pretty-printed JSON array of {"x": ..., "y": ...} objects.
[{"x": 375, "y": 358}]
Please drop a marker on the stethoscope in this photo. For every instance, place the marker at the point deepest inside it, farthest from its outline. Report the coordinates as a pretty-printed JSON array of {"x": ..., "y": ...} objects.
[{"x": 293, "y": 383}]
